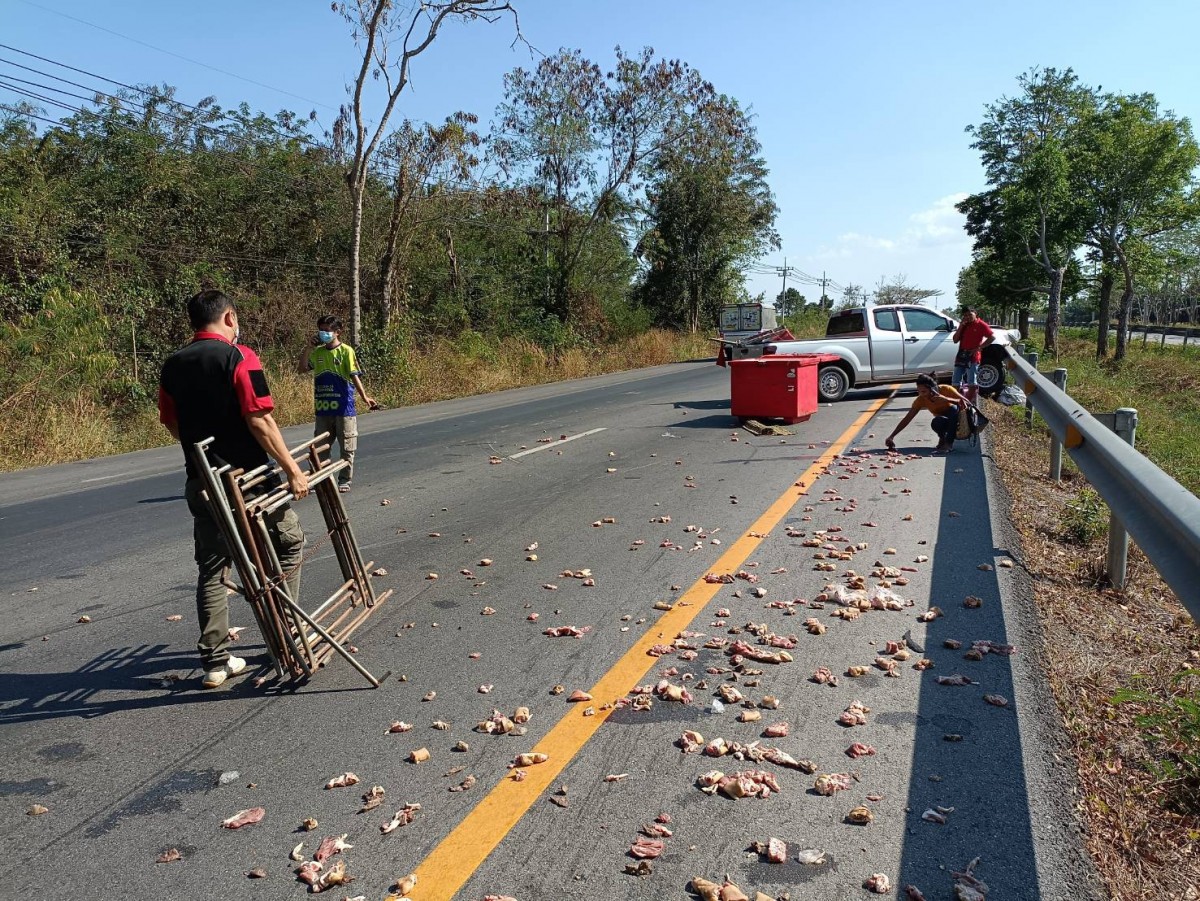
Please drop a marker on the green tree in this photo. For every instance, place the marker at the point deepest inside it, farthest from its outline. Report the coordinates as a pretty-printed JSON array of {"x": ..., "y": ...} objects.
[
  {"x": 390, "y": 35},
  {"x": 587, "y": 139},
  {"x": 428, "y": 162},
  {"x": 900, "y": 290},
  {"x": 1006, "y": 276},
  {"x": 710, "y": 212},
  {"x": 852, "y": 296},
  {"x": 789, "y": 302},
  {"x": 1031, "y": 209},
  {"x": 966, "y": 288},
  {"x": 1133, "y": 171}
]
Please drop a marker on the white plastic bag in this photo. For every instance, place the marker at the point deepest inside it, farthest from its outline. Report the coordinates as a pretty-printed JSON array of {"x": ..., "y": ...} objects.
[{"x": 1011, "y": 396}]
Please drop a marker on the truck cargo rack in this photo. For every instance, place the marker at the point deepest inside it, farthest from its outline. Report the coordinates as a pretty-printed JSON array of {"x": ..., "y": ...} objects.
[{"x": 748, "y": 346}]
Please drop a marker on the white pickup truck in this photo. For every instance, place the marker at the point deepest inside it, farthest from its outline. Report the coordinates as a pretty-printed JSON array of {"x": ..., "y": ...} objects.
[{"x": 894, "y": 343}]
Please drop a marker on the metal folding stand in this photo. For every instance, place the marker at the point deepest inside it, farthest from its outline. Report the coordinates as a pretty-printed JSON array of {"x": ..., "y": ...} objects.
[{"x": 240, "y": 502}]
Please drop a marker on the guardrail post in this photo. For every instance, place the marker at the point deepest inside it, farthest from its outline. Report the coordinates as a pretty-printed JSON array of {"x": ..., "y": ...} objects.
[
  {"x": 1124, "y": 424},
  {"x": 1032, "y": 359},
  {"x": 1060, "y": 382}
]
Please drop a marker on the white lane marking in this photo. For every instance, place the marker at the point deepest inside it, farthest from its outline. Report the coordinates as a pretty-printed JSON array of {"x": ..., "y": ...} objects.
[
  {"x": 102, "y": 478},
  {"x": 559, "y": 443}
]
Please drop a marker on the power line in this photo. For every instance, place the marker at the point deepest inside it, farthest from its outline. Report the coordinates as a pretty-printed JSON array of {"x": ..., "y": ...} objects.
[
  {"x": 379, "y": 166},
  {"x": 29, "y": 115},
  {"x": 127, "y": 104},
  {"x": 177, "y": 55},
  {"x": 71, "y": 68},
  {"x": 5, "y": 78}
]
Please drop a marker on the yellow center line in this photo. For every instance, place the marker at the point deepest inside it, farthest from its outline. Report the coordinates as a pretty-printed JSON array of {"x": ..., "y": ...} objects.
[{"x": 459, "y": 854}]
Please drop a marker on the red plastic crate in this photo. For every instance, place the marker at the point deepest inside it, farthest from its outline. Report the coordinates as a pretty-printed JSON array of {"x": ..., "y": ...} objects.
[{"x": 775, "y": 387}]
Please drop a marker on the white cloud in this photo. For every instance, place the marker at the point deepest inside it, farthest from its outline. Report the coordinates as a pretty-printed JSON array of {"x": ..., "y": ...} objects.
[
  {"x": 940, "y": 223},
  {"x": 936, "y": 225},
  {"x": 852, "y": 239},
  {"x": 928, "y": 248}
]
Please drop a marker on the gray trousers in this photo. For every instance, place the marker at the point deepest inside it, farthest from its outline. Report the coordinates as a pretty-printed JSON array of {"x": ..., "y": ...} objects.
[
  {"x": 342, "y": 430},
  {"x": 212, "y": 557}
]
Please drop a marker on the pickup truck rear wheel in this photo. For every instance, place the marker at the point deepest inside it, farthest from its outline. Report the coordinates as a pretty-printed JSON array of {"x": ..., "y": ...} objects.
[
  {"x": 832, "y": 383},
  {"x": 991, "y": 377}
]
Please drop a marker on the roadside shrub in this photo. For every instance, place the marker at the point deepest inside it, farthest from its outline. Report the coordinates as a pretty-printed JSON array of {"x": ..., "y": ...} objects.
[
  {"x": 1171, "y": 731},
  {"x": 808, "y": 322},
  {"x": 386, "y": 357},
  {"x": 544, "y": 329},
  {"x": 627, "y": 320},
  {"x": 1085, "y": 519}
]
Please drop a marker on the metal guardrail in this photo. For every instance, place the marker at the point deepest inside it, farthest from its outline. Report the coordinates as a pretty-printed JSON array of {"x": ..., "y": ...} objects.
[
  {"x": 1162, "y": 516},
  {"x": 1163, "y": 331}
]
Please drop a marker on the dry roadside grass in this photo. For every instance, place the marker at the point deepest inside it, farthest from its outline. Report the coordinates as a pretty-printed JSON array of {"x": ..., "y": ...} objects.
[
  {"x": 1143, "y": 833},
  {"x": 62, "y": 429}
]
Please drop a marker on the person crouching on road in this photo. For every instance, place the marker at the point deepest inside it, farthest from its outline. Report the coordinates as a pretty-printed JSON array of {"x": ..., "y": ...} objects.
[
  {"x": 215, "y": 388},
  {"x": 336, "y": 377},
  {"x": 943, "y": 402}
]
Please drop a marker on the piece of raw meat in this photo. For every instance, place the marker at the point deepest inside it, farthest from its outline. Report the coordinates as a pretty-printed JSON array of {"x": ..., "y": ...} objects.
[
  {"x": 647, "y": 848},
  {"x": 330, "y": 846},
  {"x": 245, "y": 818}
]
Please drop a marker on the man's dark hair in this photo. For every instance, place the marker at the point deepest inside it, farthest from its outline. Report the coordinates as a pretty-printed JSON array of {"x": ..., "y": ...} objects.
[
  {"x": 329, "y": 323},
  {"x": 927, "y": 380},
  {"x": 207, "y": 307}
]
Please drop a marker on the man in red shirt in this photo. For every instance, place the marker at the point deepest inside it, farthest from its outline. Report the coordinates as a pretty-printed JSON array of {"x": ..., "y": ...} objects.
[
  {"x": 215, "y": 388},
  {"x": 971, "y": 336}
]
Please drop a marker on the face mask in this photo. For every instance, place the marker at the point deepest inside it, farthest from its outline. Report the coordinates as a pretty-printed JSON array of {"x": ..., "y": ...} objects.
[
  {"x": 325, "y": 337},
  {"x": 237, "y": 336}
]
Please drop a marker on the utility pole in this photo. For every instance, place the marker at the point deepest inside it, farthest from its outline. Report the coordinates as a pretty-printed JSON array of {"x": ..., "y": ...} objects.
[{"x": 784, "y": 270}]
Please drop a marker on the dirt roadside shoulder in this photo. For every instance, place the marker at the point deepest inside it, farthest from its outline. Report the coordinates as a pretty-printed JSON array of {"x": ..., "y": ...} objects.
[{"x": 1095, "y": 791}]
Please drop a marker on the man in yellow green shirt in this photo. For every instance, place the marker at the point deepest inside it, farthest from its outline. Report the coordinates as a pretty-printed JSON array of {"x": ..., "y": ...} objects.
[{"x": 336, "y": 377}]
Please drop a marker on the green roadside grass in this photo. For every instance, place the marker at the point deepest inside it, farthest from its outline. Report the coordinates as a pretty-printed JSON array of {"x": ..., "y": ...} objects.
[
  {"x": 1161, "y": 383},
  {"x": 45, "y": 427}
]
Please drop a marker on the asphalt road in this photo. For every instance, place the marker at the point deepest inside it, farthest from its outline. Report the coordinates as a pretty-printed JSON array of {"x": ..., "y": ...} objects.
[{"x": 129, "y": 768}]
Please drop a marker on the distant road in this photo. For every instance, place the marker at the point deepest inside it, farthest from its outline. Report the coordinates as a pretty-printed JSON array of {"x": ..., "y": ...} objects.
[{"x": 128, "y": 762}]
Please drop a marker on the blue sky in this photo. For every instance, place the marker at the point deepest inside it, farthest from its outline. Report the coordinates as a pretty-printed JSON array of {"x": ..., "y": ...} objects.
[{"x": 860, "y": 107}]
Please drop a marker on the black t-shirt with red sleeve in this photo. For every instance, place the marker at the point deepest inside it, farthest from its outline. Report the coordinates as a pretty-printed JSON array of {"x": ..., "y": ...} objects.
[{"x": 208, "y": 388}]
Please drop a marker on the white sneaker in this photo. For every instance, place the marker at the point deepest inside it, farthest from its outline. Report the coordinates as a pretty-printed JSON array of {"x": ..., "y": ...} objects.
[{"x": 215, "y": 678}]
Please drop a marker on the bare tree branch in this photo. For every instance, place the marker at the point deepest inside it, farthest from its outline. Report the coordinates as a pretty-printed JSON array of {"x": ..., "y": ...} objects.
[{"x": 425, "y": 19}]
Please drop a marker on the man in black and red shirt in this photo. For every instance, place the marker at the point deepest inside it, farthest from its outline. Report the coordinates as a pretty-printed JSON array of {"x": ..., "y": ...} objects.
[{"x": 216, "y": 388}]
